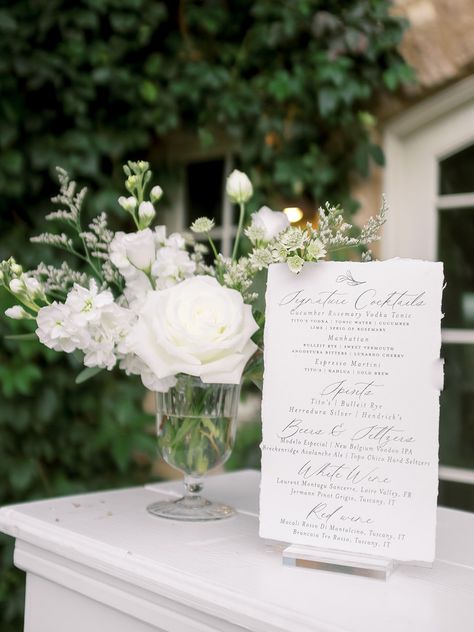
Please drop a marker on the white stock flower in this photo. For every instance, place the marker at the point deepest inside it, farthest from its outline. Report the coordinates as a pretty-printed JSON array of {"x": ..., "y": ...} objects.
[
  {"x": 17, "y": 313},
  {"x": 272, "y": 223},
  {"x": 85, "y": 304},
  {"x": 238, "y": 187},
  {"x": 160, "y": 235},
  {"x": 156, "y": 193},
  {"x": 106, "y": 336},
  {"x": 196, "y": 327},
  {"x": 175, "y": 241},
  {"x": 133, "y": 249},
  {"x": 171, "y": 266},
  {"x": 56, "y": 331}
]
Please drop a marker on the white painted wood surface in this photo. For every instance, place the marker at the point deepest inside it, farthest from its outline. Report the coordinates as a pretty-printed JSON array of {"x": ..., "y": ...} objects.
[{"x": 99, "y": 562}]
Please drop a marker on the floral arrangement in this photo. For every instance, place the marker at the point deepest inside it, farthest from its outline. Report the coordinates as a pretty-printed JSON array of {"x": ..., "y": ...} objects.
[{"x": 150, "y": 303}]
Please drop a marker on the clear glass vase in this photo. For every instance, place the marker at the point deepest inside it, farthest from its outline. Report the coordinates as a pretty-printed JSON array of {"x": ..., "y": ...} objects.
[{"x": 196, "y": 425}]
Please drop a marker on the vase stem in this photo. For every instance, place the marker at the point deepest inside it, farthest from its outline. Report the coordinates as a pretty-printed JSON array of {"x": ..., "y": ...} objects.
[{"x": 193, "y": 487}]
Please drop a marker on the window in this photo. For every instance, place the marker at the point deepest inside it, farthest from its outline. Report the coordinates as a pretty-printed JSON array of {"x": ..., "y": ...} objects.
[
  {"x": 455, "y": 206},
  {"x": 429, "y": 182},
  {"x": 203, "y": 194}
]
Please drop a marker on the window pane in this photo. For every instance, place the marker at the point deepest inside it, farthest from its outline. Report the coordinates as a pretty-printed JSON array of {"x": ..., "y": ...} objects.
[
  {"x": 456, "y": 248},
  {"x": 456, "y": 173},
  {"x": 457, "y": 407},
  {"x": 204, "y": 190}
]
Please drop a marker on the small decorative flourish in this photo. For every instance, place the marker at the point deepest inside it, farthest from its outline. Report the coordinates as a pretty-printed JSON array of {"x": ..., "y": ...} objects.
[{"x": 349, "y": 279}]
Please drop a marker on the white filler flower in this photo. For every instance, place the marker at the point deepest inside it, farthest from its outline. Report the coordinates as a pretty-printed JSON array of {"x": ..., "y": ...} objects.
[{"x": 196, "y": 327}]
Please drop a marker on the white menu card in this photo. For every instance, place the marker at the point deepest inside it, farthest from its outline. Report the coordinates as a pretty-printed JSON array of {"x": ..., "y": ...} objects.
[{"x": 351, "y": 407}]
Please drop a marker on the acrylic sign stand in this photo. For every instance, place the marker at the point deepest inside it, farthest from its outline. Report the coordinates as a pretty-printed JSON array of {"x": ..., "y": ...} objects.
[{"x": 338, "y": 561}]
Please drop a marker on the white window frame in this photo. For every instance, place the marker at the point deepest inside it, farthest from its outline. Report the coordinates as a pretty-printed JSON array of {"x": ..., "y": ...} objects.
[{"x": 430, "y": 131}]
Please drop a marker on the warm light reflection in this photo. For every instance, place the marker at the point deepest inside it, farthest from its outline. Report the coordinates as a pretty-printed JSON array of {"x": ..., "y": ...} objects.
[{"x": 294, "y": 213}]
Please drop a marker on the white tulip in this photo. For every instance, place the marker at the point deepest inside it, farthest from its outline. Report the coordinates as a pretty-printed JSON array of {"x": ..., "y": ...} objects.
[
  {"x": 272, "y": 223},
  {"x": 239, "y": 188}
]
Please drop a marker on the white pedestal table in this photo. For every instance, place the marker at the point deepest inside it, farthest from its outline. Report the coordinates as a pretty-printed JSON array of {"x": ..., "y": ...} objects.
[{"x": 99, "y": 563}]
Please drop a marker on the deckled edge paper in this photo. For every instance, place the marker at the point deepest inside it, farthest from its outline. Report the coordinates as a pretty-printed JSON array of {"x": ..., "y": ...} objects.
[{"x": 397, "y": 516}]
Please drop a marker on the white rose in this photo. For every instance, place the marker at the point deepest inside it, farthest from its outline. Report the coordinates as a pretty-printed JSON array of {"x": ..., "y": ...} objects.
[
  {"x": 239, "y": 188},
  {"x": 196, "y": 327},
  {"x": 271, "y": 222},
  {"x": 137, "y": 249}
]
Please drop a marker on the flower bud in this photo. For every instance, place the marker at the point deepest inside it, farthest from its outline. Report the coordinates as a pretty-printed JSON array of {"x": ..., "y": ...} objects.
[
  {"x": 131, "y": 183},
  {"x": 156, "y": 193},
  {"x": 146, "y": 213},
  {"x": 33, "y": 286},
  {"x": 17, "y": 286},
  {"x": 16, "y": 269},
  {"x": 17, "y": 313},
  {"x": 143, "y": 165},
  {"x": 127, "y": 203},
  {"x": 239, "y": 188}
]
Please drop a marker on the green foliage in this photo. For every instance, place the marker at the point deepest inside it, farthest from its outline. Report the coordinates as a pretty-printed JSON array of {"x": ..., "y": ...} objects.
[{"x": 89, "y": 84}]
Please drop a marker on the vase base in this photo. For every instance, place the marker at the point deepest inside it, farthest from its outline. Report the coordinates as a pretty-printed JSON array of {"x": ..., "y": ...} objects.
[{"x": 185, "y": 511}]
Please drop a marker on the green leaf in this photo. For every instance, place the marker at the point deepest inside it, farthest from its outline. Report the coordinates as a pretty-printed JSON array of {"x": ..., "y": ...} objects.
[
  {"x": 327, "y": 101},
  {"x": 87, "y": 373},
  {"x": 377, "y": 155}
]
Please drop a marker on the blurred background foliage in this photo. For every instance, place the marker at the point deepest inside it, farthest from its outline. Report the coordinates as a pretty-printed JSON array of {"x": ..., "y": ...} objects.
[{"x": 90, "y": 84}]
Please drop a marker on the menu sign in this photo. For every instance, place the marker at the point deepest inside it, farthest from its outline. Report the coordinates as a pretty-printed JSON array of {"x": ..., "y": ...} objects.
[{"x": 351, "y": 407}]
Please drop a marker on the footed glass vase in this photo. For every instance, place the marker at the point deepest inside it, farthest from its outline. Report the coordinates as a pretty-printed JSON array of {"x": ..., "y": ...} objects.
[{"x": 196, "y": 425}]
